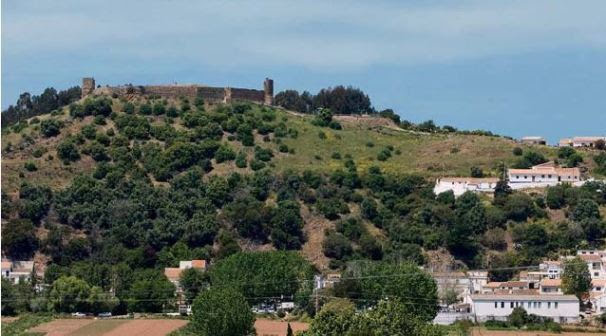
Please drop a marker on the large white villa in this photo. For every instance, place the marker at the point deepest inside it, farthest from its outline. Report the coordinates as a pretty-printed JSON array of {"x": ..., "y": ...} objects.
[
  {"x": 539, "y": 176},
  {"x": 545, "y": 174}
]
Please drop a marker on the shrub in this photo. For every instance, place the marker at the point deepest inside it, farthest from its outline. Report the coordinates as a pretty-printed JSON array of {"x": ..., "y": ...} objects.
[
  {"x": 129, "y": 108},
  {"x": 336, "y": 155},
  {"x": 50, "y": 127},
  {"x": 159, "y": 109},
  {"x": 67, "y": 151},
  {"x": 283, "y": 148},
  {"x": 145, "y": 109},
  {"x": 322, "y": 135},
  {"x": 241, "y": 160},
  {"x": 38, "y": 152},
  {"x": 224, "y": 153},
  {"x": 257, "y": 165},
  {"x": 370, "y": 144},
  {"x": 477, "y": 172},
  {"x": 89, "y": 131},
  {"x": 30, "y": 166},
  {"x": 335, "y": 245},
  {"x": 517, "y": 151}
]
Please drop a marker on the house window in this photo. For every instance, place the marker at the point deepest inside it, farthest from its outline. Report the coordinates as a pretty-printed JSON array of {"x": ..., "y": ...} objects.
[
  {"x": 595, "y": 274},
  {"x": 496, "y": 305},
  {"x": 543, "y": 176},
  {"x": 534, "y": 304},
  {"x": 598, "y": 289},
  {"x": 525, "y": 177},
  {"x": 511, "y": 304},
  {"x": 555, "y": 305},
  {"x": 528, "y": 304},
  {"x": 548, "y": 304},
  {"x": 502, "y": 304}
]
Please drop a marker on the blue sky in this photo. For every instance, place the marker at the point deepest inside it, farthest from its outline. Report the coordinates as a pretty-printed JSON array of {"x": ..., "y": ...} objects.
[{"x": 512, "y": 67}]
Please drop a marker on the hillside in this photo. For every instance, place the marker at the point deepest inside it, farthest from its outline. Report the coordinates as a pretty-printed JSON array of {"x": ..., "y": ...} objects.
[
  {"x": 145, "y": 175},
  {"x": 428, "y": 154}
]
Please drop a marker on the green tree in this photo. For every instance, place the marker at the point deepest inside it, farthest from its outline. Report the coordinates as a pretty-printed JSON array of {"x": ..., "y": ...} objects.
[
  {"x": 9, "y": 298},
  {"x": 193, "y": 282},
  {"x": 150, "y": 293},
  {"x": 19, "y": 239},
  {"x": 264, "y": 274},
  {"x": 69, "y": 294},
  {"x": 585, "y": 209},
  {"x": 403, "y": 282},
  {"x": 67, "y": 151},
  {"x": 222, "y": 312},
  {"x": 518, "y": 317},
  {"x": 336, "y": 318},
  {"x": 477, "y": 172},
  {"x": 576, "y": 278},
  {"x": 50, "y": 127},
  {"x": 100, "y": 301}
]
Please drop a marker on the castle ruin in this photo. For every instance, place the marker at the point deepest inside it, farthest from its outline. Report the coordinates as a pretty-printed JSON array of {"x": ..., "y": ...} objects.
[{"x": 211, "y": 94}]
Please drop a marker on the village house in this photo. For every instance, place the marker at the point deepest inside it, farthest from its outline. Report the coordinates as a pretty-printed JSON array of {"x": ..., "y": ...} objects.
[
  {"x": 463, "y": 283},
  {"x": 459, "y": 185},
  {"x": 16, "y": 271},
  {"x": 583, "y": 141},
  {"x": 533, "y": 140},
  {"x": 551, "y": 286},
  {"x": 595, "y": 260},
  {"x": 542, "y": 175},
  {"x": 173, "y": 274},
  {"x": 560, "y": 308}
]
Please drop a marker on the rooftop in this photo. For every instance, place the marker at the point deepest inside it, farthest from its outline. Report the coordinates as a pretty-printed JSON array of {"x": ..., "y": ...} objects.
[{"x": 515, "y": 296}]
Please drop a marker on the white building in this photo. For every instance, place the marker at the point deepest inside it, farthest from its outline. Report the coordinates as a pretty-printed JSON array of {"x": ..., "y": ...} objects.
[
  {"x": 16, "y": 271},
  {"x": 543, "y": 175},
  {"x": 551, "y": 286},
  {"x": 584, "y": 141},
  {"x": 560, "y": 308},
  {"x": 464, "y": 283},
  {"x": 460, "y": 185},
  {"x": 596, "y": 261}
]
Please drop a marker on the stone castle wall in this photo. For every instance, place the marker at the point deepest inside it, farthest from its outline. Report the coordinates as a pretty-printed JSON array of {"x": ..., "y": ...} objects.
[{"x": 212, "y": 94}]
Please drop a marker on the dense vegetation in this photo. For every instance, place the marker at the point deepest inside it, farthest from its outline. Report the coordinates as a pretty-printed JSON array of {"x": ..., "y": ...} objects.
[{"x": 180, "y": 180}]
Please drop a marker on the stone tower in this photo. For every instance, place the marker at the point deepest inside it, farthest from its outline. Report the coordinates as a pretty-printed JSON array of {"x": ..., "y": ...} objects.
[
  {"x": 268, "y": 88},
  {"x": 88, "y": 86}
]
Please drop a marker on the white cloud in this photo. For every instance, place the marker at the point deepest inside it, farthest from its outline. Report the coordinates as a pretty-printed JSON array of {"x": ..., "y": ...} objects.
[{"x": 334, "y": 35}]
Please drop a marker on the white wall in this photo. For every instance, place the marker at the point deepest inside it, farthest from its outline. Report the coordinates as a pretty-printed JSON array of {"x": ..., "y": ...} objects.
[{"x": 566, "y": 311}]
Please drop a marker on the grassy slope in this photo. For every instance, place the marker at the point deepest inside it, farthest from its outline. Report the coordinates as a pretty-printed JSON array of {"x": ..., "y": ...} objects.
[{"x": 429, "y": 154}]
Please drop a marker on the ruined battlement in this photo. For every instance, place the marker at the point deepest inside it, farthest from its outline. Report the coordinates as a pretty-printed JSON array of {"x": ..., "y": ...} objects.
[{"x": 212, "y": 94}]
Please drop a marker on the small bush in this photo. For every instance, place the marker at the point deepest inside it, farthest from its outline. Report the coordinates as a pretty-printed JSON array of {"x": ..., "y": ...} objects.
[
  {"x": 517, "y": 151},
  {"x": 322, "y": 135},
  {"x": 257, "y": 165},
  {"x": 336, "y": 156},
  {"x": 370, "y": 144},
  {"x": 283, "y": 148},
  {"x": 30, "y": 166},
  {"x": 38, "y": 152},
  {"x": 241, "y": 160}
]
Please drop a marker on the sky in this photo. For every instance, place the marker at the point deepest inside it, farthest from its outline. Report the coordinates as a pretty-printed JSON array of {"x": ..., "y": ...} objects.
[{"x": 512, "y": 67}]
